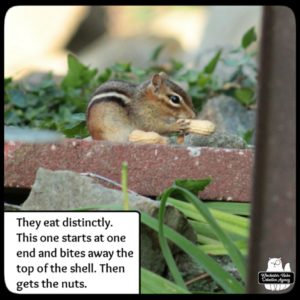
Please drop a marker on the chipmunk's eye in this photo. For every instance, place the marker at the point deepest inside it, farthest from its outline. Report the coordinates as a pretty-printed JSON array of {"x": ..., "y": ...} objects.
[{"x": 175, "y": 99}]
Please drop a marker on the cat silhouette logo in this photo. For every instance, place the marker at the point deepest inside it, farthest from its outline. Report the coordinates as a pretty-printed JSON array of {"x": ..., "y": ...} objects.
[{"x": 276, "y": 278}]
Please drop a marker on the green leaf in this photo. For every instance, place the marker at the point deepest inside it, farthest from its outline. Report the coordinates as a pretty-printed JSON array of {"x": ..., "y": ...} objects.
[
  {"x": 78, "y": 116},
  {"x": 140, "y": 73},
  {"x": 152, "y": 283},
  {"x": 7, "y": 81},
  {"x": 18, "y": 98},
  {"x": 11, "y": 118},
  {"x": 248, "y": 38},
  {"x": 204, "y": 79},
  {"x": 193, "y": 185},
  {"x": 235, "y": 208},
  {"x": 210, "y": 67},
  {"x": 104, "y": 76},
  {"x": 121, "y": 67},
  {"x": 247, "y": 136},
  {"x": 219, "y": 249},
  {"x": 190, "y": 76},
  {"x": 245, "y": 96},
  {"x": 155, "y": 54},
  {"x": 75, "y": 130},
  {"x": 78, "y": 74},
  {"x": 176, "y": 65}
]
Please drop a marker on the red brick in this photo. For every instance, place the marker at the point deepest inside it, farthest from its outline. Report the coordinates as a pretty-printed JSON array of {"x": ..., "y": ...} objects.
[{"x": 152, "y": 168}]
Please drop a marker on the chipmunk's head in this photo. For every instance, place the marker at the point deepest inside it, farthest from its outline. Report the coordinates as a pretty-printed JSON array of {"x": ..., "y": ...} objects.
[{"x": 172, "y": 99}]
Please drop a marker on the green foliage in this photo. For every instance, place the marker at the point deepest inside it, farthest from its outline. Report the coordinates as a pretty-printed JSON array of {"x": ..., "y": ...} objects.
[
  {"x": 247, "y": 136},
  {"x": 228, "y": 283},
  {"x": 194, "y": 186},
  {"x": 62, "y": 106},
  {"x": 155, "y": 54},
  {"x": 244, "y": 96},
  {"x": 248, "y": 38},
  {"x": 210, "y": 67},
  {"x": 78, "y": 75},
  {"x": 152, "y": 283}
]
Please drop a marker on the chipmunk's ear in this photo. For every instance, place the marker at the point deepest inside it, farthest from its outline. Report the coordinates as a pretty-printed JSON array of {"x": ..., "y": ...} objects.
[{"x": 158, "y": 80}]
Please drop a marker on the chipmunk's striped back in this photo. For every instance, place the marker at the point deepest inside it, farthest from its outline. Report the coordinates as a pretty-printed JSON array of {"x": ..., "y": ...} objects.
[{"x": 116, "y": 91}]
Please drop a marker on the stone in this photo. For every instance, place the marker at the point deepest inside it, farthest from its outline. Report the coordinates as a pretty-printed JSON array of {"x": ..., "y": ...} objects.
[
  {"x": 229, "y": 115},
  {"x": 217, "y": 139}
]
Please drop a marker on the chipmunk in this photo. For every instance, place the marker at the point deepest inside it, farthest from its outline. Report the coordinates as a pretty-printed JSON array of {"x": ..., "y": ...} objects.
[{"x": 117, "y": 108}]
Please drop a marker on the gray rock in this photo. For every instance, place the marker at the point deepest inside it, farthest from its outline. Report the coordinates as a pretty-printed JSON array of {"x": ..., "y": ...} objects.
[
  {"x": 217, "y": 139},
  {"x": 67, "y": 190},
  {"x": 229, "y": 115},
  {"x": 12, "y": 207}
]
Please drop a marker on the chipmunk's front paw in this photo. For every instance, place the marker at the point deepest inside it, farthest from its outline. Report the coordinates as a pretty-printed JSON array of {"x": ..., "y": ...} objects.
[{"x": 183, "y": 125}]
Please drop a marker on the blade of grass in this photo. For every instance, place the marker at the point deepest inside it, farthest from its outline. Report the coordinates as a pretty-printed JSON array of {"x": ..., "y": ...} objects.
[
  {"x": 224, "y": 279},
  {"x": 219, "y": 249},
  {"x": 231, "y": 207},
  {"x": 152, "y": 283},
  {"x": 206, "y": 240},
  {"x": 205, "y": 229}
]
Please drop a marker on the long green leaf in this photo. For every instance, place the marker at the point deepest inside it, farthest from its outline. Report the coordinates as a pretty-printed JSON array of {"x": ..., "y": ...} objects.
[
  {"x": 235, "y": 208},
  {"x": 152, "y": 283},
  {"x": 224, "y": 279},
  {"x": 206, "y": 240},
  {"x": 205, "y": 229},
  {"x": 219, "y": 249},
  {"x": 193, "y": 185},
  {"x": 155, "y": 54},
  {"x": 248, "y": 38},
  {"x": 210, "y": 67}
]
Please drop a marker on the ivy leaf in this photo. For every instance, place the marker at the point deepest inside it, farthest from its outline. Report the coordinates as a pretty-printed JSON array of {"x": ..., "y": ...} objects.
[
  {"x": 204, "y": 79},
  {"x": 18, "y": 98},
  {"x": 176, "y": 65},
  {"x": 77, "y": 130},
  {"x": 244, "y": 95},
  {"x": 155, "y": 54},
  {"x": 121, "y": 67},
  {"x": 78, "y": 74},
  {"x": 104, "y": 76},
  {"x": 78, "y": 117},
  {"x": 12, "y": 118},
  {"x": 191, "y": 76},
  {"x": 210, "y": 67},
  {"x": 248, "y": 38},
  {"x": 247, "y": 136},
  {"x": 194, "y": 186},
  {"x": 7, "y": 81}
]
